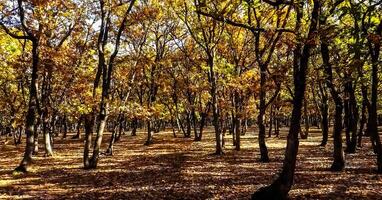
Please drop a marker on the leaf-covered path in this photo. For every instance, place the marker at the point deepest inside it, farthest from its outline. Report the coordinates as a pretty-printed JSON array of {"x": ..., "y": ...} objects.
[{"x": 179, "y": 168}]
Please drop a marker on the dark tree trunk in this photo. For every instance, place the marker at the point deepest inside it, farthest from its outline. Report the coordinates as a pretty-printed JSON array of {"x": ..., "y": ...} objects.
[
  {"x": 215, "y": 108},
  {"x": 237, "y": 126},
  {"x": 338, "y": 154},
  {"x": 280, "y": 187},
  {"x": 324, "y": 108},
  {"x": 110, "y": 149},
  {"x": 363, "y": 120},
  {"x": 372, "y": 125},
  {"x": 202, "y": 124},
  {"x": 78, "y": 135},
  {"x": 352, "y": 119},
  {"x": 121, "y": 122},
  {"x": 193, "y": 114},
  {"x": 271, "y": 119},
  {"x": 89, "y": 125},
  {"x": 149, "y": 133},
  {"x": 233, "y": 128},
  {"x": 260, "y": 118},
  {"x": 304, "y": 134},
  {"x": 65, "y": 122},
  {"x": 31, "y": 114},
  {"x": 134, "y": 125},
  {"x": 189, "y": 122}
]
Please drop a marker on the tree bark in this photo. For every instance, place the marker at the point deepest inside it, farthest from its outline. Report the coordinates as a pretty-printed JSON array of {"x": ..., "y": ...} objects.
[
  {"x": 48, "y": 146},
  {"x": 372, "y": 125},
  {"x": 338, "y": 154},
  {"x": 324, "y": 108},
  {"x": 280, "y": 187},
  {"x": 31, "y": 114},
  {"x": 89, "y": 124}
]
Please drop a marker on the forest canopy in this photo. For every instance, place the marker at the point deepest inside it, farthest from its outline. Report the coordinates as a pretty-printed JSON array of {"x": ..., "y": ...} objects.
[{"x": 276, "y": 73}]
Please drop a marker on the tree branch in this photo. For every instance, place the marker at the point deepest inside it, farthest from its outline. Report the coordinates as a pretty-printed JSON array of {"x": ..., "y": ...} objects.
[
  {"x": 242, "y": 25},
  {"x": 14, "y": 35},
  {"x": 278, "y": 2}
]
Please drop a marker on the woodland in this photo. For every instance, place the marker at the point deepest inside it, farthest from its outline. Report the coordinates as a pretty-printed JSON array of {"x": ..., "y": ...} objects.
[{"x": 190, "y": 99}]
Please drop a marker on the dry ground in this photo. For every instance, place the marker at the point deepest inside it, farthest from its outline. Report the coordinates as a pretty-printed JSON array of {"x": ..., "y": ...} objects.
[{"x": 178, "y": 168}]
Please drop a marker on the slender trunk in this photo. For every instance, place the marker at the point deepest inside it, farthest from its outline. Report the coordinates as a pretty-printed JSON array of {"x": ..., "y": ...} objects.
[
  {"x": 338, "y": 154},
  {"x": 215, "y": 108},
  {"x": 260, "y": 118},
  {"x": 362, "y": 122},
  {"x": 35, "y": 135},
  {"x": 31, "y": 114},
  {"x": 134, "y": 125},
  {"x": 48, "y": 146},
  {"x": 237, "y": 130},
  {"x": 194, "y": 123},
  {"x": 89, "y": 124},
  {"x": 304, "y": 134},
  {"x": 324, "y": 111},
  {"x": 281, "y": 186},
  {"x": 372, "y": 125},
  {"x": 149, "y": 133},
  {"x": 353, "y": 119},
  {"x": 233, "y": 128},
  {"x": 78, "y": 135},
  {"x": 271, "y": 117},
  {"x": 324, "y": 123},
  {"x": 173, "y": 128},
  {"x": 121, "y": 130},
  {"x": 110, "y": 149},
  {"x": 65, "y": 122},
  {"x": 188, "y": 118},
  {"x": 102, "y": 118},
  {"x": 347, "y": 120},
  {"x": 202, "y": 124}
]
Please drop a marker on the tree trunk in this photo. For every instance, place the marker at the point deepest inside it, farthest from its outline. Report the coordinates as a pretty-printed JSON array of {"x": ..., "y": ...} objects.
[
  {"x": 121, "y": 122},
  {"x": 149, "y": 133},
  {"x": 134, "y": 125},
  {"x": 280, "y": 187},
  {"x": 338, "y": 154},
  {"x": 271, "y": 119},
  {"x": 260, "y": 118},
  {"x": 215, "y": 108},
  {"x": 324, "y": 109},
  {"x": 237, "y": 133},
  {"x": 31, "y": 114},
  {"x": 188, "y": 119},
  {"x": 202, "y": 124},
  {"x": 233, "y": 128},
  {"x": 65, "y": 122},
  {"x": 102, "y": 118},
  {"x": 362, "y": 122},
  {"x": 89, "y": 124},
  {"x": 304, "y": 134},
  {"x": 353, "y": 119},
  {"x": 35, "y": 135},
  {"x": 194, "y": 122},
  {"x": 48, "y": 146},
  {"x": 78, "y": 135},
  {"x": 110, "y": 149},
  {"x": 372, "y": 125}
]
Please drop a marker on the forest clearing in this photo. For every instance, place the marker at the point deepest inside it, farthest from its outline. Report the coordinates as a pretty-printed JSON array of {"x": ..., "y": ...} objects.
[{"x": 179, "y": 168}]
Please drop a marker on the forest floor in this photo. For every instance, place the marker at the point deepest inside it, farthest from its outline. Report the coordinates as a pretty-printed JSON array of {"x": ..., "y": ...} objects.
[{"x": 179, "y": 168}]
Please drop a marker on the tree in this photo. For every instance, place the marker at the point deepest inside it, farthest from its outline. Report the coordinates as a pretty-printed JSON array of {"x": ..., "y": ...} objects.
[
  {"x": 105, "y": 68},
  {"x": 280, "y": 187}
]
